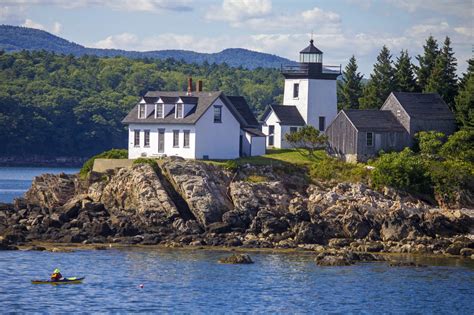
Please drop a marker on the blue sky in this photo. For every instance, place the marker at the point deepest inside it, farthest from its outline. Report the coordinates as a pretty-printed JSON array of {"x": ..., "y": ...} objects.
[{"x": 341, "y": 27}]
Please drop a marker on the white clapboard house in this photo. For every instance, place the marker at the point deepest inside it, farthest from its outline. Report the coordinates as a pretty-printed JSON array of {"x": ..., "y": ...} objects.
[
  {"x": 310, "y": 98},
  {"x": 193, "y": 125}
]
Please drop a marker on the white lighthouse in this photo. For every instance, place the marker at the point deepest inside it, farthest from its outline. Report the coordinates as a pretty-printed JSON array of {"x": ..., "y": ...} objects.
[{"x": 310, "y": 98}]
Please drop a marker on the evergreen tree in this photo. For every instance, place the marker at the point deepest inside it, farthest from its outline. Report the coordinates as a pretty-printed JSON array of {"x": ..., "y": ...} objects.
[
  {"x": 465, "y": 99},
  {"x": 381, "y": 82},
  {"x": 465, "y": 76},
  {"x": 404, "y": 76},
  {"x": 443, "y": 79},
  {"x": 427, "y": 62},
  {"x": 350, "y": 87}
]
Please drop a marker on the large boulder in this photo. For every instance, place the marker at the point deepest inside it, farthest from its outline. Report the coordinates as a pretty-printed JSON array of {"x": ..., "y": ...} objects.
[
  {"x": 140, "y": 189},
  {"x": 236, "y": 259},
  {"x": 202, "y": 186},
  {"x": 51, "y": 190}
]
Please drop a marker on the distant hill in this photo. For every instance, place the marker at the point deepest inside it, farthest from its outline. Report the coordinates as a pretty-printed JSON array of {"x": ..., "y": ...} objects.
[{"x": 17, "y": 38}]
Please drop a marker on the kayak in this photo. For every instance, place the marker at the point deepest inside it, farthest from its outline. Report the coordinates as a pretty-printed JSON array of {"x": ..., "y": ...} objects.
[{"x": 72, "y": 280}]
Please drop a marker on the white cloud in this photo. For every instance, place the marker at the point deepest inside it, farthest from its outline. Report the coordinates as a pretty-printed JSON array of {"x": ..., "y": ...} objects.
[
  {"x": 12, "y": 14},
  {"x": 57, "y": 28},
  {"x": 123, "y": 5},
  {"x": 121, "y": 41},
  {"x": 32, "y": 24},
  {"x": 461, "y": 8},
  {"x": 238, "y": 11}
]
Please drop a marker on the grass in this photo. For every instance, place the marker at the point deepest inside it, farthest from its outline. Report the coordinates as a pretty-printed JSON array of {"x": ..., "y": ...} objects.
[{"x": 276, "y": 157}]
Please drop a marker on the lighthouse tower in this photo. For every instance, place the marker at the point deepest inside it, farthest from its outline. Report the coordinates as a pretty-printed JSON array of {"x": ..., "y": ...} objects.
[{"x": 311, "y": 87}]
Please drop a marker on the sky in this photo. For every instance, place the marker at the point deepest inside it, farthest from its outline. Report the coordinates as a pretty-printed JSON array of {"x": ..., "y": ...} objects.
[{"x": 340, "y": 28}]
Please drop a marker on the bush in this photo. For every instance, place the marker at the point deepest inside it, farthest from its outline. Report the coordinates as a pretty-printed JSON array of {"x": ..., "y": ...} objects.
[
  {"x": 460, "y": 146},
  {"x": 333, "y": 169},
  {"x": 430, "y": 142},
  {"x": 111, "y": 154},
  {"x": 450, "y": 178},
  {"x": 231, "y": 165},
  {"x": 151, "y": 162},
  {"x": 402, "y": 170}
]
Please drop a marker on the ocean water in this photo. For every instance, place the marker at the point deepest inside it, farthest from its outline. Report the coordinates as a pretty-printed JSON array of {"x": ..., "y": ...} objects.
[
  {"x": 191, "y": 281},
  {"x": 15, "y": 181}
]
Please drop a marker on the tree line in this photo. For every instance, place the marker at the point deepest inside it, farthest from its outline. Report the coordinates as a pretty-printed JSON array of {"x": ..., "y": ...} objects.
[
  {"x": 435, "y": 73},
  {"x": 61, "y": 105}
]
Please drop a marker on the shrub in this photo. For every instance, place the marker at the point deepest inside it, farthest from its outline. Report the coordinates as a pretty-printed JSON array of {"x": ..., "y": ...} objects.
[
  {"x": 402, "y": 170},
  {"x": 151, "y": 162},
  {"x": 430, "y": 142},
  {"x": 330, "y": 168},
  {"x": 306, "y": 140},
  {"x": 450, "y": 178},
  {"x": 460, "y": 146},
  {"x": 111, "y": 154},
  {"x": 231, "y": 165}
]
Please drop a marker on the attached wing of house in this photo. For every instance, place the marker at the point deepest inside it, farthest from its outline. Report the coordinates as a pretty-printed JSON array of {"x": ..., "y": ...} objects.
[{"x": 279, "y": 120}]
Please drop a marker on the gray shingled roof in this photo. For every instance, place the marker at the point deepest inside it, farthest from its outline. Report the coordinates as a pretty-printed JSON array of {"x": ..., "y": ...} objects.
[
  {"x": 254, "y": 131},
  {"x": 243, "y": 108},
  {"x": 424, "y": 105},
  {"x": 373, "y": 120},
  {"x": 287, "y": 114},
  {"x": 203, "y": 101},
  {"x": 311, "y": 49}
]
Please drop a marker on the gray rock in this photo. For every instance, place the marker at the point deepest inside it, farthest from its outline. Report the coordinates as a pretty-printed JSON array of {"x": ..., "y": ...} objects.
[{"x": 236, "y": 259}]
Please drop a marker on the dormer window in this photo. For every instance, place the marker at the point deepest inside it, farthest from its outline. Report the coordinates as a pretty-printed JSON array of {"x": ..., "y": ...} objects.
[
  {"x": 159, "y": 110},
  {"x": 179, "y": 111},
  {"x": 141, "y": 111}
]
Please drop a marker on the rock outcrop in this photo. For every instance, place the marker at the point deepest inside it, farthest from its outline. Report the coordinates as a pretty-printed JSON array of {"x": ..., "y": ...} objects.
[{"x": 184, "y": 202}]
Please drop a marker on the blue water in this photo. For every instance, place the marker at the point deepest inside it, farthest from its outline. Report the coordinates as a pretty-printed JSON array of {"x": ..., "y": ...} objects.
[
  {"x": 185, "y": 281},
  {"x": 15, "y": 181}
]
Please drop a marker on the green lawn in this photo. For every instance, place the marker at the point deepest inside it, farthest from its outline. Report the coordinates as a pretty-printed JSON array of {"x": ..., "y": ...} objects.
[{"x": 276, "y": 156}]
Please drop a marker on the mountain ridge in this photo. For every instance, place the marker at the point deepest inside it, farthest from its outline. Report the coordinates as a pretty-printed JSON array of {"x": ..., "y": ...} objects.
[{"x": 17, "y": 38}]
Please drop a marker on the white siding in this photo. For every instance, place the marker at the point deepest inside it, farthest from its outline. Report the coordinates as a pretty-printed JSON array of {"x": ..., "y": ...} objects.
[
  {"x": 152, "y": 150},
  {"x": 272, "y": 119},
  {"x": 217, "y": 140},
  {"x": 317, "y": 98},
  {"x": 258, "y": 146}
]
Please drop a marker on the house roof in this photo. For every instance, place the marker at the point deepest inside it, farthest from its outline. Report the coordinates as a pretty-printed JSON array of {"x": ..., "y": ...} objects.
[
  {"x": 254, "y": 132},
  {"x": 203, "y": 101},
  {"x": 424, "y": 105},
  {"x": 287, "y": 114},
  {"x": 373, "y": 120},
  {"x": 243, "y": 108},
  {"x": 311, "y": 49},
  {"x": 150, "y": 100}
]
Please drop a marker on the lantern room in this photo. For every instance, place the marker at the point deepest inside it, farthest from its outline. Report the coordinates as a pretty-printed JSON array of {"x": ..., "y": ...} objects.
[{"x": 311, "y": 54}]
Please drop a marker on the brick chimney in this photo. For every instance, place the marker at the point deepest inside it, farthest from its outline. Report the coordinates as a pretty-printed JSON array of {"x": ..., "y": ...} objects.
[
  {"x": 199, "y": 86},
  {"x": 190, "y": 85}
]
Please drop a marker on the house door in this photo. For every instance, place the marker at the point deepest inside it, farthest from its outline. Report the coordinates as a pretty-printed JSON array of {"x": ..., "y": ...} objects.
[
  {"x": 271, "y": 131},
  {"x": 240, "y": 145},
  {"x": 161, "y": 140},
  {"x": 378, "y": 141}
]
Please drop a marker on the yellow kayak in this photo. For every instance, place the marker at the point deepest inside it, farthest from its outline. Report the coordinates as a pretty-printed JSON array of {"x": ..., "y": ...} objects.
[{"x": 73, "y": 280}]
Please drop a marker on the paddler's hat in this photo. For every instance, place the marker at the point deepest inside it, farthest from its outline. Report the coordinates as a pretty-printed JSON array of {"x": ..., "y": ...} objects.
[{"x": 56, "y": 271}]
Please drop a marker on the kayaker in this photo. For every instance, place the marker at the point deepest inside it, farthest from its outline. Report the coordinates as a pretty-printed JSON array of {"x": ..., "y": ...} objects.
[{"x": 56, "y": 276}]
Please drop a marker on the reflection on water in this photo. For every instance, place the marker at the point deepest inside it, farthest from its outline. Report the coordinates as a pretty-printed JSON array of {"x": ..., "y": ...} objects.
[{"x": 192, "y": 281}]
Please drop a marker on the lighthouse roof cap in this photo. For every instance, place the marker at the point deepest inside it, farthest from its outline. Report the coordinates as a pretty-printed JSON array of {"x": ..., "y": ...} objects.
[{"x": 311, "y": 49}]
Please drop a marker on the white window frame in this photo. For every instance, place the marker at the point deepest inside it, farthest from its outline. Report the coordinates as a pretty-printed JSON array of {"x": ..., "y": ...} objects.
[
  {"x": 182, "y": 110},
  {"x": 146, "y": 136},
  {"x": 136, "y": 140},
  {"x": 176, "y": 140},
  {"x": 186, "y": 134}
]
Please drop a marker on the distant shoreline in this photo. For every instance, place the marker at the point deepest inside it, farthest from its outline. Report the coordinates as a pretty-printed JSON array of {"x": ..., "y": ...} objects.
[{"x": 41, "y": 161}]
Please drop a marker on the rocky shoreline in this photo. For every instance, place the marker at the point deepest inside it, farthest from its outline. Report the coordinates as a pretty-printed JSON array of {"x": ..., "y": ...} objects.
[{"x": 191, "y": 203}]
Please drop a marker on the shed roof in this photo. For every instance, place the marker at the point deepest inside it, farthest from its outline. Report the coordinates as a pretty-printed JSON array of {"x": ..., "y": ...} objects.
[
  {"x": 423, "y": 105},
  {"x": 373, "y": 120},
  {"x": 287, "y": 114}
]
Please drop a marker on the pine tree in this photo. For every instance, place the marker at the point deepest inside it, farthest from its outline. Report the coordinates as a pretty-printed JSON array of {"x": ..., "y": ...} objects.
[
  {"x": 443, "y": 79},
  {"x": 465, "y": 76},
  {"x": 427, "y": 62},
  {"x": 404, "y": 76},
  {"x": 350, "y": 87},
  {"x": 381, "y": 83},
  {"x": 464, "y": 109}
]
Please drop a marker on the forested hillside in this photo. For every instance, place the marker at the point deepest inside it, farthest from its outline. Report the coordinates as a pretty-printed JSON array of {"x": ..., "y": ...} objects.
[
  {"x": 58, "y": 105},
  {"x": 17, "y": 38}
]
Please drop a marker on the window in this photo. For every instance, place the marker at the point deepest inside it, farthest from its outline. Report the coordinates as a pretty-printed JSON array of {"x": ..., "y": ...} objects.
[
  {"x": 179, "y": 110},
  {"x": 147, "y": 138},
  {"x": 271, "y": 131},
  {"x": 217, "y": 114},
  {"x": 186, "y": 138},
  {"x": 296, "y": 90},
  {"x": 370, "y": 139},
  {"x": 175, "y": 138},
  {"x": 136, "y": 138},
  {"x": 141, "y": 111},
  {"x": 322, "y": 123},
  {"x": 293, "y": 129},
  {"x": 161, "y": 140},
  {"x": 159, "y": 110}
]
